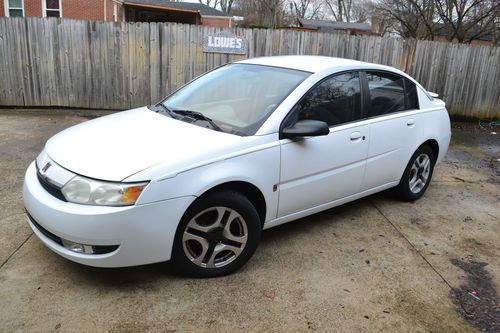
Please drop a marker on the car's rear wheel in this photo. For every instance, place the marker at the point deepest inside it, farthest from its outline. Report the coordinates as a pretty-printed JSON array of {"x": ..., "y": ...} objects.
[
  {"x": 217, "y": 235},
  {"x": 417, "y": 175}
]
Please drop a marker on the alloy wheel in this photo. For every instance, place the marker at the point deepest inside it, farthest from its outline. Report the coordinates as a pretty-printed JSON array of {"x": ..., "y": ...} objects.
[
  {"x": 419, "y": 173},
  {"x": 215, "y": 237}
]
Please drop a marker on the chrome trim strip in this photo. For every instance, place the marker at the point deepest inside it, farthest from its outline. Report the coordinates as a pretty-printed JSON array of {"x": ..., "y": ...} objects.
[{"x": 52, "y": 172}]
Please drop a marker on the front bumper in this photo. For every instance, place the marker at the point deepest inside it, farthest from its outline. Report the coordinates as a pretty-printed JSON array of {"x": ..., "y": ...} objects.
[{"x": 144, "y": 233}]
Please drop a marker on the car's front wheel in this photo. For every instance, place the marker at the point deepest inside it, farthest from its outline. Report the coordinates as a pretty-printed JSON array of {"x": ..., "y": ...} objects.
[
  {"x": 217, "y": 235},
  {"x": 417, "y": 175}
]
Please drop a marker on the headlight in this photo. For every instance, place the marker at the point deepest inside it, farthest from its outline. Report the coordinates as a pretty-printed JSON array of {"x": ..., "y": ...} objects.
[{"x": 95, "y": 192}]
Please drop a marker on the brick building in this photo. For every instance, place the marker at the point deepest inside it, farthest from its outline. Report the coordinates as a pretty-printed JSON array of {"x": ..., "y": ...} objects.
[{"x": 118, "y": 10}]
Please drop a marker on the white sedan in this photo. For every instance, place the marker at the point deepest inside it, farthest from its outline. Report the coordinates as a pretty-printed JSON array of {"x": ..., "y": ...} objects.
[{"x": 248, "y": 146}]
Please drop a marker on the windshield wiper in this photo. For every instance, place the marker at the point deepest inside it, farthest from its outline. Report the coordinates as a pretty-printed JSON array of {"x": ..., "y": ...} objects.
[
  {"x": 198, "y": 116},
  {"x": 179, "y": 114},
  {"x": 160, "y": 108}
]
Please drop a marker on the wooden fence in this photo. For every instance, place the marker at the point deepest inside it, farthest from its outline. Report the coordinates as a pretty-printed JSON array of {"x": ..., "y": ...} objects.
[{"x": 104, "y": 65}]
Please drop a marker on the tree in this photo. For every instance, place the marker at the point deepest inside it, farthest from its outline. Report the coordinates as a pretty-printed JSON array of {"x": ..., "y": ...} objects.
[
  {"x": 463, "y": 20},
  {"x": 427, "y": 12},
  {"x": 308, "y": 9},
  {"x": 467, "y": 20},
  {"x": 211, "y": 3},
  {"x": 408, "y": 18},
  {"x": 360, "y": 11},
  {"x": 348, "y": 10},
  {"x": 340, "y": 9},
  {"x": 225, "y": 5},
  {"x": 261, "y": 13}
]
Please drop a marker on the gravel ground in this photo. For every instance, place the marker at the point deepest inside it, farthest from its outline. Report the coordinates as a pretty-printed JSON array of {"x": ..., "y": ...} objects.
[{"x": 372, "y": 265}]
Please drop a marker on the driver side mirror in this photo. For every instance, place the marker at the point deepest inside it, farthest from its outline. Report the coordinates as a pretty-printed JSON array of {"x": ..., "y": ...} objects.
[{"x": 304, "y": 128}]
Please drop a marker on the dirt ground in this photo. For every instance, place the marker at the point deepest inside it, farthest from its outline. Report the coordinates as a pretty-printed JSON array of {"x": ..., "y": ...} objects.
[{"x": 373, "y": 265}]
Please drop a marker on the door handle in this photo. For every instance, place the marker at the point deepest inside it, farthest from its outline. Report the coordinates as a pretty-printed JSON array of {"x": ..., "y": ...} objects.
[
  {"x": 355, "y": 136},
  {"x": 410, "y": 122}
]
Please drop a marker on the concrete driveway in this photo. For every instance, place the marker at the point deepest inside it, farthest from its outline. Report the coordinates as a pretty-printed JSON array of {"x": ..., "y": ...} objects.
[{"x": 373, "y": 265}]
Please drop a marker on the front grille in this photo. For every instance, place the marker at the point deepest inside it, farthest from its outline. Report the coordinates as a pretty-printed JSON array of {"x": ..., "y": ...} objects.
[
  {"x": 44, "y": 231},
  {"x": 97, "y": 249},
  {"x": 52, "y": 189}
]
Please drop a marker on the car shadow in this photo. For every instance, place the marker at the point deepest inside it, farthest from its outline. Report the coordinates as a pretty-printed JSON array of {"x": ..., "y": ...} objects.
[
  {"x": 324, "y": 218},
  {"x": 123, "y": 277},
  {"x": 137, "y": 275}
]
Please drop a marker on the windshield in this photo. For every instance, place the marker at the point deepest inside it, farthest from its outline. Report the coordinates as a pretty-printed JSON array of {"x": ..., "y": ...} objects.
[{"x": 238, "y": 98}]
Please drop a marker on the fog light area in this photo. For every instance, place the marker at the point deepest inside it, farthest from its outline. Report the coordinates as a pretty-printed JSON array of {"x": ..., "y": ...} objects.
[{"x": 79, "y": 248}]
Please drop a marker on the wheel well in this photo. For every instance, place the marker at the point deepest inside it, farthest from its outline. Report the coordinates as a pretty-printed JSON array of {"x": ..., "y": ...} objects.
[
  {"x": 434, "y": 146},
  {"x": 248, "y": 190}
]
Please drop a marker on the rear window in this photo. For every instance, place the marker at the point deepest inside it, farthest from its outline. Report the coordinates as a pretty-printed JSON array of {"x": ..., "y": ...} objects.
[
  {"x": 387, "y": 93},
  {"x": 390, "y": 93}
]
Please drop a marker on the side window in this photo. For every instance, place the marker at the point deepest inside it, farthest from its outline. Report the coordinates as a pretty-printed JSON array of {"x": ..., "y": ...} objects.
[
  {"x": 411, "y": 95},
  {"x": 387, "y": 93},
  {"x": 336, "y": 100},
  {"x": 390, "y": 93}
]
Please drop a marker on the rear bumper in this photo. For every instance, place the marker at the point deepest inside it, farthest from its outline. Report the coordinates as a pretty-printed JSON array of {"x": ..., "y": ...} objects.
[{"x": 144, "y": 234}]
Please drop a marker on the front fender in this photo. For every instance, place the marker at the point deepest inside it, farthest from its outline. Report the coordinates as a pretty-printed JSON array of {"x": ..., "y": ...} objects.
[{"x": 259, "y": 168}]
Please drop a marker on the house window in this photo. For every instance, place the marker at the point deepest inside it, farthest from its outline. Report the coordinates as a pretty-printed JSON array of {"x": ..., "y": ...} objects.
[
  {"x": 52, "y": 8},
  {"x": 14, "y": 8}
]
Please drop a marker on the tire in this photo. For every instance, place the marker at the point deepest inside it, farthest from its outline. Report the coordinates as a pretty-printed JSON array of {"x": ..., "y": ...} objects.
[
  {"x": 217, "y": 235},
  {"x": 417, "y": 175}
]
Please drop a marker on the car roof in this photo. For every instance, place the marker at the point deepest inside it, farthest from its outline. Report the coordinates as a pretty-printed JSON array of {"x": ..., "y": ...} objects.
[{"x": 312, "y": 64}]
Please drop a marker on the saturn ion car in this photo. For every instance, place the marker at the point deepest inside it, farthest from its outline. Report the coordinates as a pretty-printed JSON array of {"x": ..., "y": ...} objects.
[{"x": 248, "y": 146}]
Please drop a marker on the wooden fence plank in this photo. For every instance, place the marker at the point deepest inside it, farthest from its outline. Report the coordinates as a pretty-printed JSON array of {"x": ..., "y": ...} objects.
[{"x": 87, "y": 64}]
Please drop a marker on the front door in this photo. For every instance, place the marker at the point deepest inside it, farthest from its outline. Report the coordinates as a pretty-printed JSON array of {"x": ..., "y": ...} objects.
[{"x": 318, "y": 170}]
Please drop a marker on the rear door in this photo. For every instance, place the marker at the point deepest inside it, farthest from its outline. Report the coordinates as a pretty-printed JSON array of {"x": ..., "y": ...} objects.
[
  {"x": 318, "y": 170},
  {"x": 396, "y": 128}
]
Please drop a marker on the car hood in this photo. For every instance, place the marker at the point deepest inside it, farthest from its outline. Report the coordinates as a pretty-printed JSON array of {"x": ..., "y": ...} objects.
[{"x": 117, "y": 146}]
